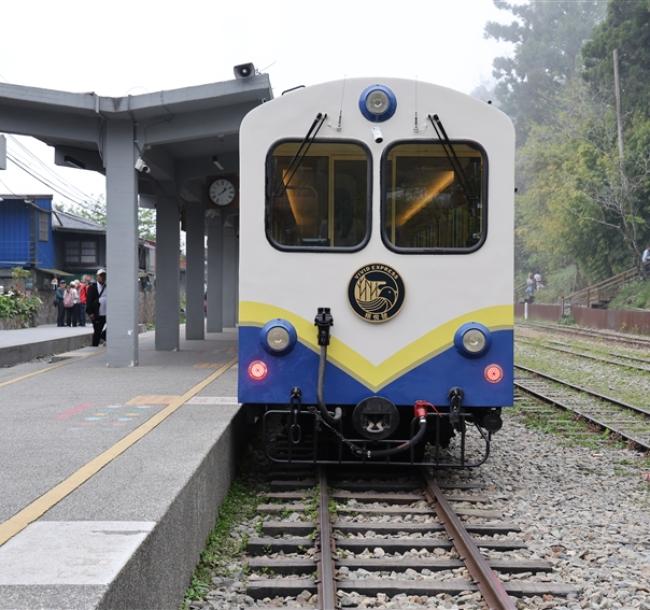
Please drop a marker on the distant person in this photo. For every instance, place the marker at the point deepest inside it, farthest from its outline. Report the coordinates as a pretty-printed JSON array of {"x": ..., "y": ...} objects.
[
  {"x": 530, "y": 288},
  {"x": 59, "y": 293},
  {"x": 96, "y": 297},
  {"x": 645, "y": 262},
  {"x": 538, "y": 281},
  {"x": 70, "y": 296},
  {"x": 83, "y": 289}
]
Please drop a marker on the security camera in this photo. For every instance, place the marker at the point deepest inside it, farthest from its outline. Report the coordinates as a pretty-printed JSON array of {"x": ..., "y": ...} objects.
[
  {"x": 141, "y": 166},
  {"x": 244, "y": 70},
  {"x": 377, "y": 136}
]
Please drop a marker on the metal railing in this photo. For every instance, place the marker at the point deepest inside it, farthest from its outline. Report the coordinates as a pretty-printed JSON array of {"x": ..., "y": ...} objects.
[{"x": 601, "y": 293}]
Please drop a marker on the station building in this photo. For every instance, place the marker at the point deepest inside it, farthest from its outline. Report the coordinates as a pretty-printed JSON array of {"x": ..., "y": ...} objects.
[{"x": 161, "y": 150}]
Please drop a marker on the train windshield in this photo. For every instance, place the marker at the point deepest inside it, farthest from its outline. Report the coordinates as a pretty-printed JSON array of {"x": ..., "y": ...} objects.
[
  {"x": 427, "y": 205},
  {"x": 320, "y": 200}
]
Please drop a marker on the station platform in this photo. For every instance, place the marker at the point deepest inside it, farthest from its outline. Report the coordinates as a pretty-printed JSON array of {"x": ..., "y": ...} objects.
[
  {"x": 111, "y": 478},
  {"x": 25, "y": 344}
]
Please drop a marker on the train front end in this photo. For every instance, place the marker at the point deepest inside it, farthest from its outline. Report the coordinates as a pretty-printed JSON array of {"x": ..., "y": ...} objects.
[{"x": 376, "y": 254}]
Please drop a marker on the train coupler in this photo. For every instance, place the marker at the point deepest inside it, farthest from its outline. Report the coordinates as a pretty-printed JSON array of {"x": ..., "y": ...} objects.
[
  {"x": 456, "y": 419},
  {"x": 295, "y": 402}
]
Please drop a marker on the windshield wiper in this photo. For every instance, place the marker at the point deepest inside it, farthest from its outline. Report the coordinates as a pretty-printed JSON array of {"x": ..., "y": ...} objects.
[
  {"x": 303, "y": 149},
  {"x": 452, "y": 157}
]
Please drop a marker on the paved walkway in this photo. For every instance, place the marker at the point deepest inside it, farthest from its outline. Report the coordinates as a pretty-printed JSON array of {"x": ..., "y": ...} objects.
[{"x": 110, "y": 477}]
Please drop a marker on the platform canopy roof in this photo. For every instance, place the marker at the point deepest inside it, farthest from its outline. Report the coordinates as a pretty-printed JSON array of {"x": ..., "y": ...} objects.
[{"x": 178, "y": 133}]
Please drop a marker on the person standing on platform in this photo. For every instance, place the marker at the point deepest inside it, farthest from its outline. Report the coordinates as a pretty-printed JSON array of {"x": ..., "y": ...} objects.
[
  {"x": 96, "y": 297},
  {"x": 59, "y": 293},
  {"x": 70, "y": 296},
  {"x": 83, "y": 288}
]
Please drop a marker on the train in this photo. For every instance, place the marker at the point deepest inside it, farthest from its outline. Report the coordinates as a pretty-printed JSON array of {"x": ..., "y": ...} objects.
[{"x": 376, "y": 273}]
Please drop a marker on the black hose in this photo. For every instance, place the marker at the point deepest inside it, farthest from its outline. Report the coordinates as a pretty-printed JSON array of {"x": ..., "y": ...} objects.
[
  {"x": 332, "y": 419},
  {"x": 369, "y": 453},
  {"x": 405, "y": 445}
]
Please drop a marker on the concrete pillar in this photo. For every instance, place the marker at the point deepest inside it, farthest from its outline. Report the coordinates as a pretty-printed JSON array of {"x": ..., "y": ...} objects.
[
  {"x": 215, "y": 273},
  {"x": 168, "y": 236},
  {"x": 229, "y": 275},
  {"x": 121, "y": 244},
  {"x": 195, "y": 275}
]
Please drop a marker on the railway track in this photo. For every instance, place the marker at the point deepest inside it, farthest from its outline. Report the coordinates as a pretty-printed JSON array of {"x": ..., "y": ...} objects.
[
  {"x": 629, "y": 422},
  {"x": 348, "y": 539},
  {"x": 628, "y": 362},
  {"x": 583, "y": 332}
]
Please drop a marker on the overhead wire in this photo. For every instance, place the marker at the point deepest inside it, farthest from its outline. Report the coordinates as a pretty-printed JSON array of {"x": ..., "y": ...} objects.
[
  {"x": 5, "y": 185},
  {"x": 23, "y": 166},
  {"x": 50, "y": 172}
]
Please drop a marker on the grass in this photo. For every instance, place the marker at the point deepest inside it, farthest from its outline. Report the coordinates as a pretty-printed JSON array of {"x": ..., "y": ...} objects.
[
  {"x": 635, "y": 295},
  {"x": 560, "y": 423},
  {"x": 624, "y": 384},
  {"x": 222, "y": 547}
]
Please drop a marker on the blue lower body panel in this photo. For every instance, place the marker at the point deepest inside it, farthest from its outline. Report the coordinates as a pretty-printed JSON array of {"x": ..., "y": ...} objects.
[{"x": 430, "y": 380}]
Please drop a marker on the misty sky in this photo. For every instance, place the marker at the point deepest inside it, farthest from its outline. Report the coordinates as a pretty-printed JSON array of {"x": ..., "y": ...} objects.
[{"x": 120, "y": 48}]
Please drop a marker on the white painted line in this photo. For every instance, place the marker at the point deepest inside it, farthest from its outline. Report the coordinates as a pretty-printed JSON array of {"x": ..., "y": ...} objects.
[
  {"x": 70, "y": 552},
  {"x": 213, "y": 400}
]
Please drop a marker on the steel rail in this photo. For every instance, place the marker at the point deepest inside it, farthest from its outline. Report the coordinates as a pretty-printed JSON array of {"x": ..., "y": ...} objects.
[
  {"x": 566, "y": 350},
  {"x": 614, "y": 401},
  {"x": 642, "y": 444},
  {"x": 641, "y": 341},
  {"x": 489, "y": 584},
  {"x": 624, "y": 356},
  {"x": 327, "y": 599}
]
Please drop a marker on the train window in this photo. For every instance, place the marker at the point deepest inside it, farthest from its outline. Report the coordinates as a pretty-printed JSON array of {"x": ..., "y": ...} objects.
[
  {"x": 320, "y": 202},
  {"x": 431, "y": 203}
]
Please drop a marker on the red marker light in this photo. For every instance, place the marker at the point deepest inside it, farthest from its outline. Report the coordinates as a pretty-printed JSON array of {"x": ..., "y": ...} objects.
[
  {"x": 493, "y": 373},
  {"x": 257, "y": 370}
]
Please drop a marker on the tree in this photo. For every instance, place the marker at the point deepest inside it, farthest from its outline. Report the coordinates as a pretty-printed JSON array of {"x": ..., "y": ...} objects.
[
  {"x": 626, "y": 28},
  {"x": 578, "y": 205},
  {"x": 548, "y": 37},
  {"x": 95, "y": 210}
]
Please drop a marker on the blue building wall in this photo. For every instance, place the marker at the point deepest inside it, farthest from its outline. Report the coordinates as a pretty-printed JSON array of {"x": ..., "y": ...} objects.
[
  {"x": 45, "y": 251},
  {"x": 20, "y": 245}
]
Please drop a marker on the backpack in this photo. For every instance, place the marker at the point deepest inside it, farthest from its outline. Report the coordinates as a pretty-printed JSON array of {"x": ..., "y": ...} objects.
[{"x": 68, "y": 300}]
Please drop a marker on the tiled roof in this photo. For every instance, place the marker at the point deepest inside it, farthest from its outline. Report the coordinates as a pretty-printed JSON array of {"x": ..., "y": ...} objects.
[{"x": 63, "y": 221}]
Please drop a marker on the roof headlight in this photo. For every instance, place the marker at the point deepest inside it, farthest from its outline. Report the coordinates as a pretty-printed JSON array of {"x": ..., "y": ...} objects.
[
  {"x": 472, "y": 339},
  {"x": 278, "y": 337},
  {"x": 377, "y": 103}
]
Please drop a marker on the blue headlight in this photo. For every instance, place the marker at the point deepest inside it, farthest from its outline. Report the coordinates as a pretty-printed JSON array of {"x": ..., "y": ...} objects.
[
  {"x": 472, "y": 339},
  {"x": 377, "y": 103},
  {"x": 278, "y": 337}
]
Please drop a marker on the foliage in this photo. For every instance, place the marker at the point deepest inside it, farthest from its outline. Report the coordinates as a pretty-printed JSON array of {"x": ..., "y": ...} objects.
[
  {"x": 580, "y": 204},
  {"x": 547, "y": 38},
  {"x": 635, "y": 295},
  {"x": 222, "y": 546},
  {"x": 18, "y": 273},
  {"x": 17, "y": 306},
  {"x": 96, "y": 211},
  {"x": 558, "y": 283},
  {"x": 626, "y": 28}
]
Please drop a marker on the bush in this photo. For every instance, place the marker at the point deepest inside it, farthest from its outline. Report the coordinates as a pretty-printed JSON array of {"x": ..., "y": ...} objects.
[
  {"x": 635, "y": 295},
  {"x": 18, "y": 307}
]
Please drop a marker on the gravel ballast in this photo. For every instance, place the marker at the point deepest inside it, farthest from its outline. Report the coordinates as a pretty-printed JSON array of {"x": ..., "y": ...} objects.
[{"x": 585, "y": 510}]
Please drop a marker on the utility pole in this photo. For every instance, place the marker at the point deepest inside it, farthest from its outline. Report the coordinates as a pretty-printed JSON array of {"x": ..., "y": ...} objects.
[{"x": 617, "y": 95}]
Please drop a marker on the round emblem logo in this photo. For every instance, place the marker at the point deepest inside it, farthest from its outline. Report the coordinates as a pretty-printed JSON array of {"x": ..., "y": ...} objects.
[{"x": 376, "y": 292}]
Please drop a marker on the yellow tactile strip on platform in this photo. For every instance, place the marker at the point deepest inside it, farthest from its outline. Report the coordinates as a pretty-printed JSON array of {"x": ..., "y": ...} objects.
[{"x": 153, "y": 399}]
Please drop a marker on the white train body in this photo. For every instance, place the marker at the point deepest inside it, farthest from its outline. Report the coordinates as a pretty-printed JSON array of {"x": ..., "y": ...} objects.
[{"x": 302, "y": 246}]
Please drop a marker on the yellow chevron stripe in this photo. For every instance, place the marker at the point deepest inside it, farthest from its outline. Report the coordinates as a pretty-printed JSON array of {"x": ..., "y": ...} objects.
[{"x": 357, "y": 366}]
